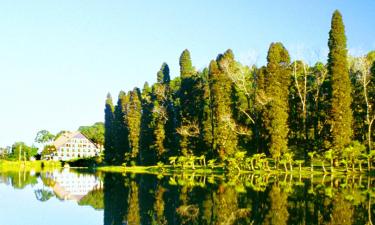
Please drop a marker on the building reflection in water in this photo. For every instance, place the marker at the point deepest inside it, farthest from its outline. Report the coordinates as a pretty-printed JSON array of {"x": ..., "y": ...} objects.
[{"x": 69, "y": 185}]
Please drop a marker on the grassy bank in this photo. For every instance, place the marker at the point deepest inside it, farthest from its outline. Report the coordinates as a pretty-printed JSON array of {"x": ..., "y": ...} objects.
[
  {"x": 168, "y": 169},
  {"x": 28, "y": 165}
]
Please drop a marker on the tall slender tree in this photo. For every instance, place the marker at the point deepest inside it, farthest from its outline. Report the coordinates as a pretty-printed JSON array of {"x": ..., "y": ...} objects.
[
  {"x": 340, "y": 111},
  {"x": 134, "y": 122},
  {"x": 163, "y": 113},
  {"x": 224, "y": 136},
  {"x": 277, "y": 90},
  {"x": 189, "y": 96},
  {"x": 108, "y": 133},
  {"x": 121, "y": 129},
  {"x": 146, "y": 155}
]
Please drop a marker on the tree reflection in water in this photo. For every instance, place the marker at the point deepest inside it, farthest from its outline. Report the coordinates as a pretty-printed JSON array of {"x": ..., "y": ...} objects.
[
  {"x": 215, "y": 199},
  {"x": 283, "y": 199}
]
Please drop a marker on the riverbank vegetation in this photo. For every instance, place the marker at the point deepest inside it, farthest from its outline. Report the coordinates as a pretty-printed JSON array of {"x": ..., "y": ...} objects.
[
  {"x": 286, "y": 115},
  {"x": 37, "y": 165}
]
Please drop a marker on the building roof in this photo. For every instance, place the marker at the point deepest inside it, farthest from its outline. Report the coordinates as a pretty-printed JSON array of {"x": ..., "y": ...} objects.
[{"x": 67, "y": 136}]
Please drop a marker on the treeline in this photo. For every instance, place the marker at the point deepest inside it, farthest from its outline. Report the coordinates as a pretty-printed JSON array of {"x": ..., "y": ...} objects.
[{"x": 282, "y": 107}]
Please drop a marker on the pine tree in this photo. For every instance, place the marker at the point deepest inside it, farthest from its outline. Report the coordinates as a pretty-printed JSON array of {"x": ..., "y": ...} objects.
[
  {"x": 207, "y": 120},
  {"x": 277, "y": 91},
  {"x": 121, "y": 129},
  {"x": 260, "y": 135},
  {"x": 170, "y": 124},
  {"x": 146, "y": 155},
  {"x": 340, "y": 111},
  {"x": 186, "y": 67},
  {"x": 163, "y": 114},
  {"x": 158, "y": 121},
  {"x": 224, "y": 137},
  {"x": 134, "y": 121},
  {"x": 189, "y": 98},
  {"x": 108, "y": 134},
  {"x": 163, "y": 76}
]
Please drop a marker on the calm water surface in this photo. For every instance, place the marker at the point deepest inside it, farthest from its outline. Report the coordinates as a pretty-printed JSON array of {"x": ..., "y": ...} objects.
[{"x": 78, "y": 197}]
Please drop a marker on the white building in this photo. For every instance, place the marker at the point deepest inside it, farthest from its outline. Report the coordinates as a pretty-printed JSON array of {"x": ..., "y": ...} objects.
[{"x": 74, "y": 145}]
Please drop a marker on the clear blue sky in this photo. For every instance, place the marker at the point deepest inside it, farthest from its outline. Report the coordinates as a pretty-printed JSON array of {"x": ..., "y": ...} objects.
[{"x": 58, "y": 59}]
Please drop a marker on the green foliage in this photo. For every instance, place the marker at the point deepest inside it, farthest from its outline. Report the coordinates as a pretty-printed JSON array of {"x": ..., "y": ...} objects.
[
  {"x": 282, "y": 111},
  {"x": 48, "y": 150},
  {"x": 134, "y": 121},
  {"x": 43, "y": 195},
  {"x": 121, "y": 129},
  {"x": 277, "y": 89},
  {"x": 60, "y": 133},
  {"x": 44, "y": 136},
  {"x": 186, "y": 67},
  {"x": 109, "y": 134},
  {"x": 340, "y": 111},
  {"x": 223, "y": 126},
  {"x": 190, "y": 111},
  {"x": 95, "y": 132},
  {"x": 163, "y": 114},
  {"x": 21, "y": 152},
  {"x": 94, "y": 198}
]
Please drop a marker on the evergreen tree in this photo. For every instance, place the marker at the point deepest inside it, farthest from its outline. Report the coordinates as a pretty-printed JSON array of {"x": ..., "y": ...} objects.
[
  {"x": 260, "y": 135},
  {"x": 206, "y": 123},
  {"x": 277, "y": 90},
  {"x": 189, "y": 99},
  {"x": 121, "y": 129},
  {"x": 163, "y": 114},
  {"x": 108, "y": 133},
  {"x": 171, "y": 123},
  {"x": 340, "y": 111},
  {"x": 186, "y": 67},
  {"x": 134, "y": 121},
  {"x": 146, "y": 155},
  {"x": 224, "y": 140},
  {"x": 163, "y": 76}
]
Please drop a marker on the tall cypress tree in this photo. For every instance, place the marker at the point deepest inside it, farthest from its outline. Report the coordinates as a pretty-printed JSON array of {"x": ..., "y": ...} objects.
[
  {"x": 108, "y": 133},
  {"x": 277, "y": 91},
  {"x": 340, "y": 112}
]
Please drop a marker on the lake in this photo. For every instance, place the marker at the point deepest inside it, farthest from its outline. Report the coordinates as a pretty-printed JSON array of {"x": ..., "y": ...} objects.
[{"x": 82, "y": 197}]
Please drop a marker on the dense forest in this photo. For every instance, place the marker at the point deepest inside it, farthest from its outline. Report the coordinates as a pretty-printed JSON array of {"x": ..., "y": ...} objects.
[{"x": 283, "y": 108}]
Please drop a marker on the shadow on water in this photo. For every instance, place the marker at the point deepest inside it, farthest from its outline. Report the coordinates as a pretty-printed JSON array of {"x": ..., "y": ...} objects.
[{"x": 208, "y": 199}]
